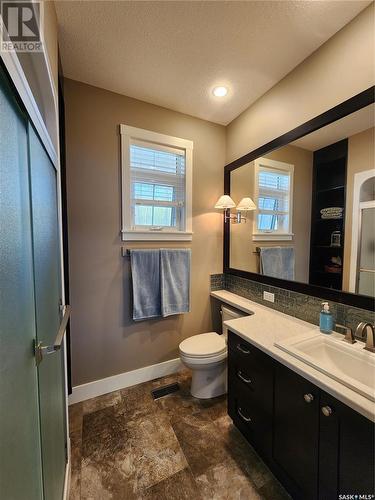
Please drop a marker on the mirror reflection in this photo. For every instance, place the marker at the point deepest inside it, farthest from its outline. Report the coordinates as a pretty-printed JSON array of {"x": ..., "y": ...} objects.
[{"x": 309, "y": 214}]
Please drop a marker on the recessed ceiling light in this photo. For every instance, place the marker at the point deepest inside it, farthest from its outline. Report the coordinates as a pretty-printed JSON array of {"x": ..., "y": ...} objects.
[{"x": 220, "y": 91}]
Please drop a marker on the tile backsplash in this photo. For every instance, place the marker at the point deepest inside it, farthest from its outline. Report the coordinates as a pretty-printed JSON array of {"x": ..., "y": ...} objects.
[{"x": 295, "y": 304}]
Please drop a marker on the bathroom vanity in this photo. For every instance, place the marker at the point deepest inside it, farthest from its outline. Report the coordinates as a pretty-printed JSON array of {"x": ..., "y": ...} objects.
[
  {"x": 315, "y": 433},
  {"x": 317, "y": 446}
]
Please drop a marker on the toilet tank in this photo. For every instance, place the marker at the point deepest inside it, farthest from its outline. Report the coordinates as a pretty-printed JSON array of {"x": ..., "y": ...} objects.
[{"x": 226, "y": 314}]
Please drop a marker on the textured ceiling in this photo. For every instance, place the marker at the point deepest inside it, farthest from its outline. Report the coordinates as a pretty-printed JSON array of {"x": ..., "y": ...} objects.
[{"x": 171, "y": 53}]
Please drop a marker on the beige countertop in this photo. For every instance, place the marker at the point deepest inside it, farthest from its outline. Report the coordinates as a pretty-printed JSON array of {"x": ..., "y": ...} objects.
[{"x": 265, "y": 326}]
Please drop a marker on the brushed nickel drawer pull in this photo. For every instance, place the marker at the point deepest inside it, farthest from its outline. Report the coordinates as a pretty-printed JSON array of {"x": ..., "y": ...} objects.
[
  {"x": 241, "y": 349},
  {"x": 246, "y": 380},
  {"x": 246, "y": 419}
]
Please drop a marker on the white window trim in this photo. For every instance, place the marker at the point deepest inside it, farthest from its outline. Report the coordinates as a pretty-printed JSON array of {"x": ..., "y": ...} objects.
[
  {"x": 277, "y": 165},
  {"x": 128, "y": 133}
]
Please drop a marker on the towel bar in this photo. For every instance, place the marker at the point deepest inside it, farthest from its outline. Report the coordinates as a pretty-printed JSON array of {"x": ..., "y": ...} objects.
[
  {"x": 125, "y": 252},
  {"x": 257, "y": 250}
]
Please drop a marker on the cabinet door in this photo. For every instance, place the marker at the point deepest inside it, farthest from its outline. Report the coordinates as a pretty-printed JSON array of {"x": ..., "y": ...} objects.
[
  {"x": 346, "y": 451},
  {"x": 296, "y": 428}
]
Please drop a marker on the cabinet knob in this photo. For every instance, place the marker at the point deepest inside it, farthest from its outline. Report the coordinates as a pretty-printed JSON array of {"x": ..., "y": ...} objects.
[
  {"x": 327, "y": 411},
  {"x": 309, "y": 398}
]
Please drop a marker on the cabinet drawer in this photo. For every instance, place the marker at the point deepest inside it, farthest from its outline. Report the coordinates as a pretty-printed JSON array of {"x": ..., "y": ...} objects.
[
  {"x": 241, "y": 347},
  {"x": 254, "y": 374},
  {"x": 253, "y": 419},
  {"x": 253, "y": 370}
]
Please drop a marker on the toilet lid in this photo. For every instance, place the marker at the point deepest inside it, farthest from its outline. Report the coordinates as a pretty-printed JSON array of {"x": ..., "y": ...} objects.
[{"x": 203, "y": 345}]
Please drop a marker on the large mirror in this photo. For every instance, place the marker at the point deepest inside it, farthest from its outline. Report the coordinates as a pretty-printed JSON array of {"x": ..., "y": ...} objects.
[{"x": 313, "y": 219}]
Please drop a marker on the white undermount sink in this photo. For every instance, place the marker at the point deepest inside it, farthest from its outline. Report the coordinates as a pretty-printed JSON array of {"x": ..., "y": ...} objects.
[{"x": 349, "y": 364}]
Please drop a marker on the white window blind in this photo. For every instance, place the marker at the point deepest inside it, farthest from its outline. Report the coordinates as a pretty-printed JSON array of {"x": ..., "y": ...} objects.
[
  {"x": 273, "y": 200},
  {"x": 273, "y": 193},
  {"x": 157, "y": 186}
]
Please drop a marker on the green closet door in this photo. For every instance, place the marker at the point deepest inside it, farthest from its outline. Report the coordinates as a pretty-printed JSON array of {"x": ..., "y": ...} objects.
[
  {"x": 48, "y": 317},
  {"x": 20, "y": 458}
]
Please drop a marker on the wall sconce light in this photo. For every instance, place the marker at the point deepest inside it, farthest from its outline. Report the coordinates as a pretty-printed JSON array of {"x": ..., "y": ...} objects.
[{"x": 225, "y": 203}]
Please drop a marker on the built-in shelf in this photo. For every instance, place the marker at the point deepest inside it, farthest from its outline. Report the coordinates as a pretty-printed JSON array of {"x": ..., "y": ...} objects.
[
  {"x": 329, "y": 190},
  {"x": 326, "y": 190},
  {"x": 326, "y": 273},
  {"x": 327, "y": 246},
  {"x": 329, "y": 220}
]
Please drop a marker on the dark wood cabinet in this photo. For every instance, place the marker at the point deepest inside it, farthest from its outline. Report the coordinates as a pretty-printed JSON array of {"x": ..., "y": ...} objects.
[
  {"x": 318, "y": 447},
  {"x": 346, "y": 451},
  {"x": 296, "y": 430}
]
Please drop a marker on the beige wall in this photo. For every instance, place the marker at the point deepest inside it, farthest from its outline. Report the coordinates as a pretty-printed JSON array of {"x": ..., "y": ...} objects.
[
  {"x": 105, "y": 341},
  {"x": 339, "y": 69},
  {"x": 361, "y": 156},
  {"x": 242, "y": 184}
]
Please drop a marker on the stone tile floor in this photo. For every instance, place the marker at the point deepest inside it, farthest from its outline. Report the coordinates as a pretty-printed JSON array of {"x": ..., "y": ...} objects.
[{"x": 127, "y": 446}]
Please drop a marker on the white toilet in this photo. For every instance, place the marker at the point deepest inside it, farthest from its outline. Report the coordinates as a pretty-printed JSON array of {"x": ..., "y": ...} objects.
[{"x": 206, "y": 356}]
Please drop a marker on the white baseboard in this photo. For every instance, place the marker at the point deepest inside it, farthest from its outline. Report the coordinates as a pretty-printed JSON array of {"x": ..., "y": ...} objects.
[{"x": 127, "y": 379}]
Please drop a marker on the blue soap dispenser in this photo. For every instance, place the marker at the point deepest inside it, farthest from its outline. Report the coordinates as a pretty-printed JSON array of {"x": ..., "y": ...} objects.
[{"x": 326, "y": 319}]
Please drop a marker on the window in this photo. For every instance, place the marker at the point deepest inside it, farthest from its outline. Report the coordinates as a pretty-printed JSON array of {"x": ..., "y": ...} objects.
[
  {"x": 274, "y": 200},
  {"x": 156, "y": 186}
]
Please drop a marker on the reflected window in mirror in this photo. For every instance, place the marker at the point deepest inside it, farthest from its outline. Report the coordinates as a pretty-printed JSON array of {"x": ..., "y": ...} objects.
[{"x": 273, "y": 198}]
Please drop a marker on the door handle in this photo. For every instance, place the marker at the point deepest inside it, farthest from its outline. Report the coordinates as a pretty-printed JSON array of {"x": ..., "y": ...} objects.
[{"x": 41, "y": 350}]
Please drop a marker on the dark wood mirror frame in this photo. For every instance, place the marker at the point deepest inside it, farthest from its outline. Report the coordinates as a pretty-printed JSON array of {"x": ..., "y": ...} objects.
[{"x": 353, "y": 104}]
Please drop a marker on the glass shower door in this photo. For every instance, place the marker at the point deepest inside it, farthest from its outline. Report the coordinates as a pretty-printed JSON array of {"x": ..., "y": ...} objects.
[
  {"x": 48, "y": 316},
  {"x": 366, "y": 271},
  {"x": 20, "y": 450}
]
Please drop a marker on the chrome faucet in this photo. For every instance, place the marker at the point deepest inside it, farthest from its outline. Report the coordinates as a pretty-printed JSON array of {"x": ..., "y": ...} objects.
[{"x": 366, "y": 330}]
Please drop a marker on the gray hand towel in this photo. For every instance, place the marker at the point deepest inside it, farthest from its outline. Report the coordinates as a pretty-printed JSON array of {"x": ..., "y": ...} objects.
[
  {"x": 277, "y": 262},
  {"x": 145, "y": 266},
  {"x": 175, "y": 281}
]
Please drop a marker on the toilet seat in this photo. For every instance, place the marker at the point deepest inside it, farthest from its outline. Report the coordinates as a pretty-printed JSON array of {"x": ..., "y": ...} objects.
[{"x": 205, "y": 345}]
